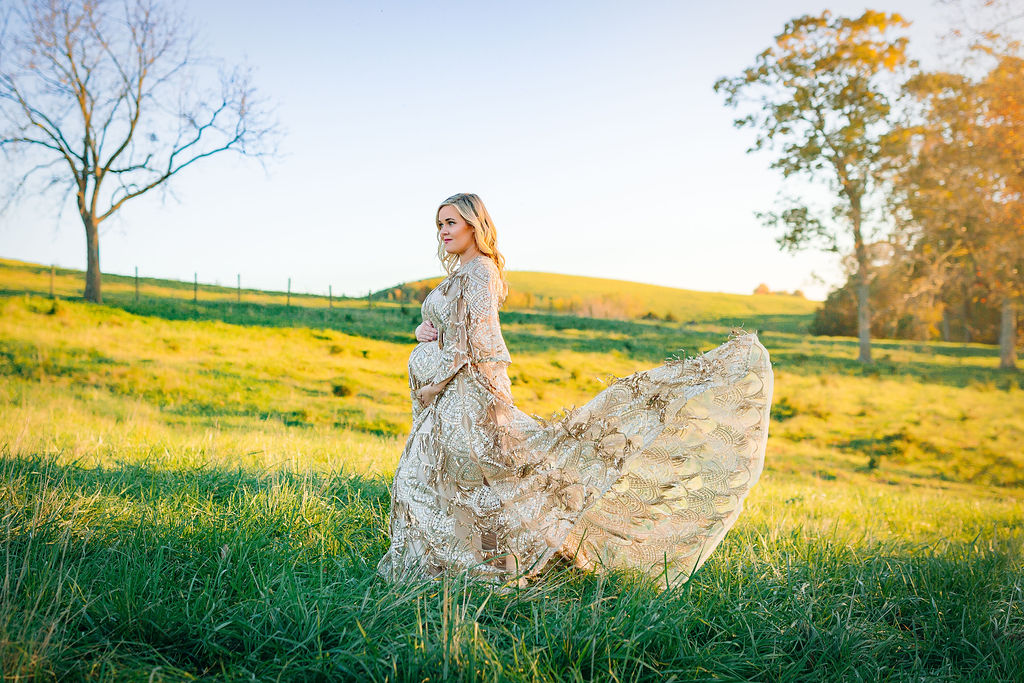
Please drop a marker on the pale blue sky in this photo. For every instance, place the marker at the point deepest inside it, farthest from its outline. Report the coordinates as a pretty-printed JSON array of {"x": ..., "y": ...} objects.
[{"x": 589, "y": 129}]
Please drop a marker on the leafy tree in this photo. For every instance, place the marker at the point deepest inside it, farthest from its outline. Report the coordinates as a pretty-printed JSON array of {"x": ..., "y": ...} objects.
[
  {"x": 935, "y": 189},
  {"x": 971, "y": 141},
  {"x": 961, "y": 188},
  {"x": 107, "y": 100},
  {"x": 818, "y": 97}
]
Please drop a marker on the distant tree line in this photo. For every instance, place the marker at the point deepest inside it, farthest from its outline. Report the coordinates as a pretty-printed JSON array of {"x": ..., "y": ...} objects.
[
  {"x": 765, "y": 289},
  {"x": 971, "y": 315}
]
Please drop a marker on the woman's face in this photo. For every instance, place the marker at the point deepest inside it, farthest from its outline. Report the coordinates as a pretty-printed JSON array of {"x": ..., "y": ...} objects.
[{"x": 455, "y": 232}]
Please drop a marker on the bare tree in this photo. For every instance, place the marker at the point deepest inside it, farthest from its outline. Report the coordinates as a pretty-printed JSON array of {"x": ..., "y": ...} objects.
[{"x": 109, "y": 100}]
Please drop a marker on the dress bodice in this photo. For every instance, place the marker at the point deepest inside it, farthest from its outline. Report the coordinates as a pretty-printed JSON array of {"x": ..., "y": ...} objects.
[{"x": 463, "y": 308}]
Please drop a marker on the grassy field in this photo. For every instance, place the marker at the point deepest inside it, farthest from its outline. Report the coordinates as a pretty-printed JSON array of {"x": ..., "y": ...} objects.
[{"x": 201, "y": 491}]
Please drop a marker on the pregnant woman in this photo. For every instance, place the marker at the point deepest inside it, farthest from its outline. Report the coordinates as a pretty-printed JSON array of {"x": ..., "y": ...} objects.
[{"x": 650, "y": 473}]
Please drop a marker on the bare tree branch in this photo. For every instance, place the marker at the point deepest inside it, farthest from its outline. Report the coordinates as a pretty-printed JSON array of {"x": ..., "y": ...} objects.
[{"x": 116, "y": 89}]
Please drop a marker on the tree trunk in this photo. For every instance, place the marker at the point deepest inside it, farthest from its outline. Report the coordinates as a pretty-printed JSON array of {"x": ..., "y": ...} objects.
[
  {"x": 1008, "y": 335},
  {"x": 863, "y": 316},
  {"x": 863, "y": 305},
  {"x": 945, "y": 324},
  {"x": 966, "y": 315},
  {"x": 92, "y": 270}
]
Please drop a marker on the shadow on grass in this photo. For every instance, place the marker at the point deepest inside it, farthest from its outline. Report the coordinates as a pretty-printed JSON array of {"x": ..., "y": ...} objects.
[
  {"x": 152, "y": 482},
  {"x": 395, "y": 323},
  {"x": 833, "y": 360},
  {"x": 781, "y": 322}
]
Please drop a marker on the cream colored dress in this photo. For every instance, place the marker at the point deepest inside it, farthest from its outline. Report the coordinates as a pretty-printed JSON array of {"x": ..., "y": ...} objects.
[{"x": 650, "y": 473}]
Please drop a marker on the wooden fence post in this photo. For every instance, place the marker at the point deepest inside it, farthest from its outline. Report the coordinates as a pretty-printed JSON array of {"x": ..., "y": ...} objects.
[{"x": 52, "y": 268}]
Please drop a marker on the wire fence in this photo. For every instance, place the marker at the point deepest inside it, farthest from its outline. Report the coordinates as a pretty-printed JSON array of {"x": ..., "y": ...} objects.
[{"x": 140, "y": 287}]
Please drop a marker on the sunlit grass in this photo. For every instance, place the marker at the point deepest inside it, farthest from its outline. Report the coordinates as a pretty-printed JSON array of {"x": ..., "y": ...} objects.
[{"x": 183, "y": 497}]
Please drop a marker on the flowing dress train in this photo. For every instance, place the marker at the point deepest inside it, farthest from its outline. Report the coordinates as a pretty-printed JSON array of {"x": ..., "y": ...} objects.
[{"x": 650, "y": 473}]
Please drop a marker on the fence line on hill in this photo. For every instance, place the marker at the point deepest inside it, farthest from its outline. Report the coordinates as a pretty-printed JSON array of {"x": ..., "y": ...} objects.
[
  {"x": 598, "y": 306},
  {"x": 238, "y": 289},
  {"x": 605, "y": 305}
]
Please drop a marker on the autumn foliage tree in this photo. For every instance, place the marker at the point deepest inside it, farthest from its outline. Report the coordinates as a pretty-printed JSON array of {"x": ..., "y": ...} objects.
[
  {"x": 1004, "y": 134},
  {"x": 108, "y": 100},
  {"x": 961, "y": 188},
  {"x": 821, "y": 98}
]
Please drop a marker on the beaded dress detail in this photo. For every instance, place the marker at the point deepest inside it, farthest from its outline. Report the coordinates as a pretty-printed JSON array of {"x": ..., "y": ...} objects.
[{"x": 650, "y": 473}]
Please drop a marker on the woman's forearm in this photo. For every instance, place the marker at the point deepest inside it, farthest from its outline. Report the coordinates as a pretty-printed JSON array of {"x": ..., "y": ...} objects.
[{"x": 439, "y": 386}]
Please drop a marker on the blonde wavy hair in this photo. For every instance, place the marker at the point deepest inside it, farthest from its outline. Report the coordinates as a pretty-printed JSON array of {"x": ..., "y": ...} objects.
[{"x": 473, "y": 211}]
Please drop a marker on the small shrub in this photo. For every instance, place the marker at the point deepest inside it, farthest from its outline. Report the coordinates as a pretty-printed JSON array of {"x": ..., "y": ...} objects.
[
  {"x": 521, "y": 378},
  {"x": 291, "y": 418},
  {"x": 341, "y": 389},
  {"x": 878, "y": 447},
  {"x": 798, "y": 435},
  {"x": 783, "y": 410}
]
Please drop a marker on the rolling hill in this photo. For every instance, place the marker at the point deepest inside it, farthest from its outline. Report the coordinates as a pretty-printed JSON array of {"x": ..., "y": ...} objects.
[{"x": 529, "y": 292}]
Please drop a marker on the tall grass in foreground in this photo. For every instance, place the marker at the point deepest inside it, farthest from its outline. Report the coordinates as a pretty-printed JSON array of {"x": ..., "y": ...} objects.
[{"x": 134, "y": 571}]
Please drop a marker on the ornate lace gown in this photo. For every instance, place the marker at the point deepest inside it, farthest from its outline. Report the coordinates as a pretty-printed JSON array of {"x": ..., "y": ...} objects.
[{"x": 650, "y": 473}]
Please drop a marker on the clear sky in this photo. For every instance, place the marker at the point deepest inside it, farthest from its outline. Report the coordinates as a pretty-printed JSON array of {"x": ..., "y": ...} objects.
[{"x": 589, "y": 128}]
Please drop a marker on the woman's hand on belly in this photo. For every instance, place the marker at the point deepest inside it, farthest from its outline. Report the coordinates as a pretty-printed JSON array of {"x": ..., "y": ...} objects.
[
  {"x": 427, "y": 393},
  {"x": 426, "y": 332}
]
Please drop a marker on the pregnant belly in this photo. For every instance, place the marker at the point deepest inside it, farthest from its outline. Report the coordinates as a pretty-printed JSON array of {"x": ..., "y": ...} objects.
[{"x": 423, "y": 363}]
